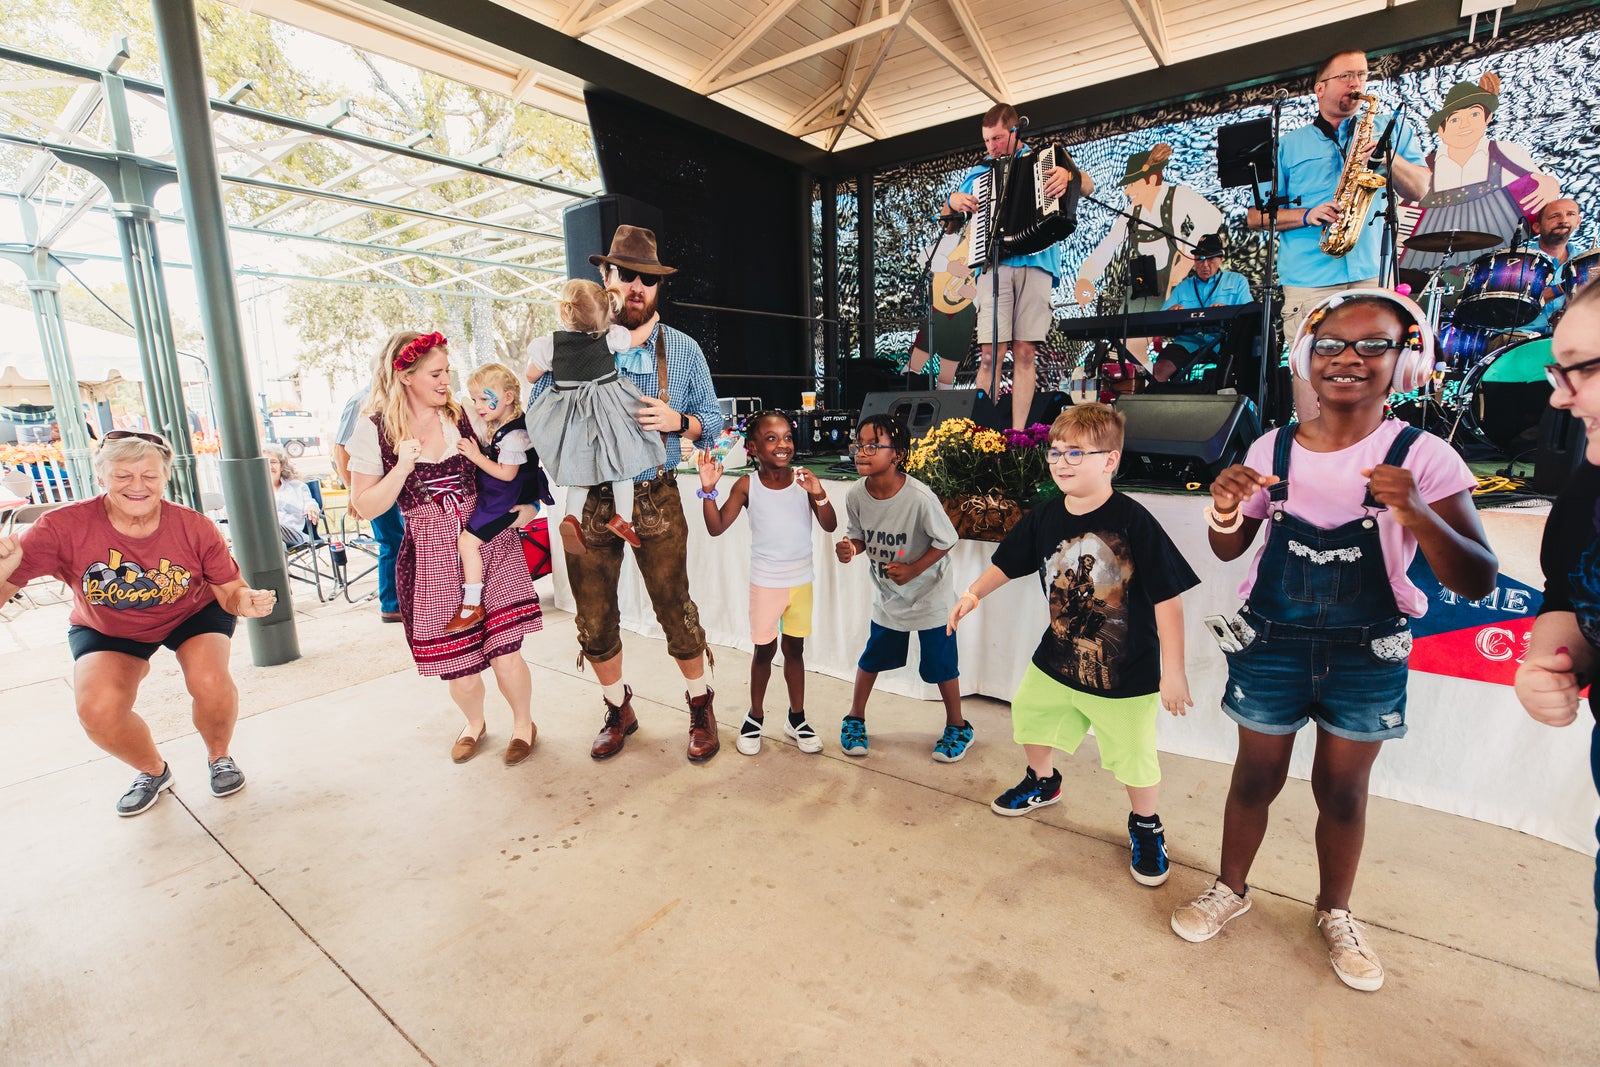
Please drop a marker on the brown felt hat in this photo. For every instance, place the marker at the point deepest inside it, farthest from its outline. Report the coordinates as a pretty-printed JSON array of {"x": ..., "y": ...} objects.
[{"x": 634, "y": 247}]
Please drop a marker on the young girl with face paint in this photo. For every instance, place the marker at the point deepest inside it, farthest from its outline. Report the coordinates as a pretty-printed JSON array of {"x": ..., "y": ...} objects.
[{"x": 508, "y": 475}]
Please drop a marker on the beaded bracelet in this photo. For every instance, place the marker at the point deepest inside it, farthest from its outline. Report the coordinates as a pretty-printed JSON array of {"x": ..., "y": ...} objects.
[{"x": 1229, "y": 525}]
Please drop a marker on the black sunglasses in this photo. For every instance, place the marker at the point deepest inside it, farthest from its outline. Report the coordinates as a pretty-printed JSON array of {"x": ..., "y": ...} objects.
[
  {"x": 140, "y": 435},
  {"x": 626, "y": 277}
]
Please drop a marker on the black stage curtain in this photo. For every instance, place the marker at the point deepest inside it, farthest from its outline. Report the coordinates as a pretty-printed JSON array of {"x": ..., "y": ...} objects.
[{"x": 734, "y": 227}]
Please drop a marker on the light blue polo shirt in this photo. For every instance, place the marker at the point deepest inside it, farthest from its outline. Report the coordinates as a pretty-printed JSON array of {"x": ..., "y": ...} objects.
[
  {"x": 1226, "y": 287},
  {"x": 1309, "y": 165},
  {"x": 1048, "y": 260}
]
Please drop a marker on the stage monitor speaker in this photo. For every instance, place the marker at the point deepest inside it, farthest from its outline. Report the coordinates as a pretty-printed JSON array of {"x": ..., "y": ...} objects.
[
  {"x": 1560, "y": 451},
  {"x": 921, "y": 412},
  {"x": 1185, "y": 437},
  {"x": 997, "y": 416},
  {"x": 589, "y": 224}
]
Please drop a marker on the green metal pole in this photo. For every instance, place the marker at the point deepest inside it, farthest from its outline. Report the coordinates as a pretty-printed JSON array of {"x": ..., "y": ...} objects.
[{"x": 246, "y": 485}]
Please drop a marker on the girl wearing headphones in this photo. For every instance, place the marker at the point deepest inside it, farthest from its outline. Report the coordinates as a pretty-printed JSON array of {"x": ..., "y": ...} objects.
[{"x": 1324, "y": 632}]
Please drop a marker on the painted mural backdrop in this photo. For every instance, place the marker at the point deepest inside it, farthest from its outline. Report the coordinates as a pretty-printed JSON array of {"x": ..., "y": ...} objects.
[{"x": 1545, "y": 104}]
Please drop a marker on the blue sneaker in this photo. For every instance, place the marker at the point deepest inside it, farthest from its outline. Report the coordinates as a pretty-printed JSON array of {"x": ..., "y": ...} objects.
[
  {"x": 953, "y": 745},
  {"x": 1030, "y": 793},
  {"x": 1149, "y": 842},
  {"x": 853, "y": 736}
]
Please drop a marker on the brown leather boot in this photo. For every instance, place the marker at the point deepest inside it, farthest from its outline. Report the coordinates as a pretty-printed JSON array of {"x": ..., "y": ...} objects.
[
  {"x": 620, "y": 722},
  {"x": 703, "y": 743}
]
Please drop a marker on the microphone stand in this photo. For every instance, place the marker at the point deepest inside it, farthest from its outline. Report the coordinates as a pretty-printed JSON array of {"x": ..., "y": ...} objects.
[
  {"x": 925, "y": 282},
  {"x": 1134, "y": 219},
  {"x": 1002, "y": 169},
  {"x": 1389, "y": 250},
  {"x": 1269, "y": 277}
]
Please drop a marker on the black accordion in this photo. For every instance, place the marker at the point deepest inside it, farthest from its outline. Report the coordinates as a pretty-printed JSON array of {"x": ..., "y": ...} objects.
[{"x": 1032, "y": 221}]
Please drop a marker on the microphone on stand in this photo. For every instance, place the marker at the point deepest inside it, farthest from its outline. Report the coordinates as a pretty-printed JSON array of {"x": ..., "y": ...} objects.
[{"x": 1022, "y": 123}]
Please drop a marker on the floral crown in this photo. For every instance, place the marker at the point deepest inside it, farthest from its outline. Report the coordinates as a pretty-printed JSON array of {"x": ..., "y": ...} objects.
[{"x": 412, "y": 350}]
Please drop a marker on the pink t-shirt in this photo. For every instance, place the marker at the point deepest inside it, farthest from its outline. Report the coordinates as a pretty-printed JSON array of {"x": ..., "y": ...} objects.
[
  {"x": 139, "y": 588},
  {"x": 1326, "y": 489}
]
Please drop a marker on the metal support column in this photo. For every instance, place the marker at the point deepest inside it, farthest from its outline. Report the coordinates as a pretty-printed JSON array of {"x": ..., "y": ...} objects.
[
  {"x": 830, "y": 291},
  {"x": 866, "y": 204},
  {"x": 245, "y": 481},
  {"x": 44, "y": 293}
]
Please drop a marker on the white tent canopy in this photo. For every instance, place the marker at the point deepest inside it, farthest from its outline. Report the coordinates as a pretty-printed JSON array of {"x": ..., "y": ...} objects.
[{"x": 102, "y": 359}]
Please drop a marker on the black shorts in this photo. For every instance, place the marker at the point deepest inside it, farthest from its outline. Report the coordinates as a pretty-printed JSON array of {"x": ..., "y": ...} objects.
[{"x": 211, "y": 619}]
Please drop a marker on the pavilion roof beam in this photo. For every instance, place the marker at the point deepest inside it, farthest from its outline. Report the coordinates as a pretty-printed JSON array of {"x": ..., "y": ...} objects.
[
  {"x": 776, "y": 9},
  {"x": 816, "y": 48},
  {"x": 866, "y": 83},
  {"x": 852, "y": 57},
  {"x": 955, "y": 62},
  {"x": 611, "y": 14},
  {"x": 829, "y": 96},
  {"x": 969, "y": 26},
  {"x": 1152, "y": 27}
]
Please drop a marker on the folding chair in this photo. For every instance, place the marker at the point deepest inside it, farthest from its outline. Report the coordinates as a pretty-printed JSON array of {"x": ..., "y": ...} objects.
[
  {"x": 323, "y": 561},
  {"x": 33, "y": 594}
]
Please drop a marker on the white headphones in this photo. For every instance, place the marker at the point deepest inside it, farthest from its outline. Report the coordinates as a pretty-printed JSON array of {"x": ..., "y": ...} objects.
[{"x": 1411, "y": 369}]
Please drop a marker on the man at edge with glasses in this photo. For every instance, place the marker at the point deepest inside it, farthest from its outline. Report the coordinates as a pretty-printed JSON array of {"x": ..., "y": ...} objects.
[{"x": 685, "y": 408}]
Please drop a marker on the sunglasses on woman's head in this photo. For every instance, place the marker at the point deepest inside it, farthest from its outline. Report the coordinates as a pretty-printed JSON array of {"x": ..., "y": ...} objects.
[
  {"x": 626, "y": 277},
  {"x": 140, "y": 435}
]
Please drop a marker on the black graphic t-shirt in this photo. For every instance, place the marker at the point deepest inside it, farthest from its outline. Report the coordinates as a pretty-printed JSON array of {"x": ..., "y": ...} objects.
[
  {"x": 1570, "y": 556},
  {"x": 1103, "y": 574}
]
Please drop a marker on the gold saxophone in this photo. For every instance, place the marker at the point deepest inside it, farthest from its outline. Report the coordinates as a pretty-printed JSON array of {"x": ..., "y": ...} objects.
[{"x": 1357, "y": 185}]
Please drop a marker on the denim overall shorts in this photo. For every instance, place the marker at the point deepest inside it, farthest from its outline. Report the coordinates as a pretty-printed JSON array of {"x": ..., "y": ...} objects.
[{"x": 1324, "y": 638}]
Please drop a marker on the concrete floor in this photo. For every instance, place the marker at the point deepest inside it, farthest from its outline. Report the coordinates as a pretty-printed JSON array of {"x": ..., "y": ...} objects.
[{"x": 366, "y": 901}]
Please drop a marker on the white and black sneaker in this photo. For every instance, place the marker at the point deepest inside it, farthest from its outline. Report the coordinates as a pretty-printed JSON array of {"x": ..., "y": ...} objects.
[
  {"x": 1147, "y": 840},
  {"x": 805, "y": 738},
  {"x": 226, "y": 777},
  {"x": 1032, "y": 792},
  {"x": 144, "y": 792},
  {"x": 749, "y": 741}
]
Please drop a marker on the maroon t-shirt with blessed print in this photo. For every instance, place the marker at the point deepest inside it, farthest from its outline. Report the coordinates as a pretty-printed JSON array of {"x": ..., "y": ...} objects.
[{"x": 138, "y": 588}]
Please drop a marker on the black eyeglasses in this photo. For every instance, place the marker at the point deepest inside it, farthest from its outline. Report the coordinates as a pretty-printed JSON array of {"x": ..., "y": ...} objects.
[
  {"x": 626, "y": 277},
  {"x": 140, "y": 435},
  {"x": 1560, "y": 377},
  {"x": 1366, "y": 346},
  {"x": 867, "y": 449}
]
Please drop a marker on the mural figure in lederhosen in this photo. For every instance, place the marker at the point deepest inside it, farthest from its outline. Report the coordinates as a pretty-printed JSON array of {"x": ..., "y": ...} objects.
[
  {"x": 954, "y": 317},
  {"x": 1477, "y": 183},
  {"x": 1154, "y": 203}
]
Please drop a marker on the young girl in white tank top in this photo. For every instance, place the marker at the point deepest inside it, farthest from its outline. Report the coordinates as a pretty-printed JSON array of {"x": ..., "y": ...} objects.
[{"x": 782, "y": 499}]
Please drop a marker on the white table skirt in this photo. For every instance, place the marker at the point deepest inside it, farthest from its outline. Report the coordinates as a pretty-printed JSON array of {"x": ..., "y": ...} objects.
[{"x": 1471, "y": 749}]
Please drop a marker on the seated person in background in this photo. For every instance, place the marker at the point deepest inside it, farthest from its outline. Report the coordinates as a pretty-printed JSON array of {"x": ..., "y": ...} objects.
[
  {"x": 1206, "y": 287},
  {"x": 297, "y": 509}
]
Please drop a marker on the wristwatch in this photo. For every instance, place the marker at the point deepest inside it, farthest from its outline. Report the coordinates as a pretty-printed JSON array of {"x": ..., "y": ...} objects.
[
  {"x": 706, "y": 494},
  {"x": 685, "y": 427}
]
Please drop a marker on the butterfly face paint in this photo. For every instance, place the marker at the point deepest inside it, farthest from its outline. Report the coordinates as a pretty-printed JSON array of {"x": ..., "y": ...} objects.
[{"x": 491, "y": 398}]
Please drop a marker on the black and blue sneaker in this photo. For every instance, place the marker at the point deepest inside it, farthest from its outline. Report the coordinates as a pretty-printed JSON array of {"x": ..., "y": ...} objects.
[
  {"x": 853, "y": 736},
  {"x": 1030, "y": 793},
  {"x": 953, "y": 743},
  {"x": 1149, "y": 842}
]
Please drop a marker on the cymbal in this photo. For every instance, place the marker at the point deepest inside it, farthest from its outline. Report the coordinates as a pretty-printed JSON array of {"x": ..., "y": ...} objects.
[{"x": 1453, "y": 241}]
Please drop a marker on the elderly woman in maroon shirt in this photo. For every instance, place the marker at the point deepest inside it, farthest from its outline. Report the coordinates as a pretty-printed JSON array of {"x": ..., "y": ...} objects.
[{"x": 144, "y": 573}]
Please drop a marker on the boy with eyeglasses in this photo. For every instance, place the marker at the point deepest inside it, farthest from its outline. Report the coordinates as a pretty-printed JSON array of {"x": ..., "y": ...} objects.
[{"x": 1113, "y": 651}]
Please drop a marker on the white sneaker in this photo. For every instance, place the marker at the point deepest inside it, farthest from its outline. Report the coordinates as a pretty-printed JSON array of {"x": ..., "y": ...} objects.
[
  {"x": 1348, "y": 950},
  {"x": 805, "y": 738},
  {"x": 1204, "y": 917},
  {"x": 749, "y": 741}
]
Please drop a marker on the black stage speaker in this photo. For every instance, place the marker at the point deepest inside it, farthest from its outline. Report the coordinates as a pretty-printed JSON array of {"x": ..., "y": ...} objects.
[
  {"x": 921, "y": 412},
  {"x": 997, "y": 416},
  {"x": 589, "y": 224},
  {"x": 1561, "y": 446},
  {"x": 1185, "y": 438}
]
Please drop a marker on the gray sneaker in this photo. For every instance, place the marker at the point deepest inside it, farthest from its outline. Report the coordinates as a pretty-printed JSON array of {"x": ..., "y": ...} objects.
[
  {"x": 226, "y": 777},
  {"x": 145, "y": 791}
]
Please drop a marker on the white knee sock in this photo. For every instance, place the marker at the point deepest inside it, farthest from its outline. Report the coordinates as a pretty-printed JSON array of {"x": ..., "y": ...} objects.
[
  {"x": 697, "y": 687},
  {"x": 615, "y": 693},
  {"x": 622, "y": 497},
  {"x": 471, "y": 595},
  {"x": 576, "y": 495}
]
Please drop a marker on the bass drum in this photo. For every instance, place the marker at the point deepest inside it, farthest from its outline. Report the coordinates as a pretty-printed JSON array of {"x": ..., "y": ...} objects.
[
  {"x": 1464, "y": 347},
  {"x": 1506, "y": 393}
]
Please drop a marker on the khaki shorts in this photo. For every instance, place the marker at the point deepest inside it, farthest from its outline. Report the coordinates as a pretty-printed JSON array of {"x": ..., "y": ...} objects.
[{"x": 1024, "y": 305}]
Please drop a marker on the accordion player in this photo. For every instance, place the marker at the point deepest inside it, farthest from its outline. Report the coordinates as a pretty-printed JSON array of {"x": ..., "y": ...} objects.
[{"x": 1029, "y": 220}]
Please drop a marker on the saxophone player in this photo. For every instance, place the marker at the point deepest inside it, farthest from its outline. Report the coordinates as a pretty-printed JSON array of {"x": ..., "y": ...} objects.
[{"x": 1311, "y": 161}]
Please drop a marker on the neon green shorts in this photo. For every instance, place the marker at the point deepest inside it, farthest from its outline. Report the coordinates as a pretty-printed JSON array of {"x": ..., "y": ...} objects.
[{"x": 1045, "y": 712}]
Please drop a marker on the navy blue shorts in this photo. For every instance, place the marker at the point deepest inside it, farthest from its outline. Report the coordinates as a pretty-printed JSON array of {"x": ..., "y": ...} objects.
[
  {"x": 1352, "y": 689},
  {"x": 886, "y": 650},
  {"x": 211, "y": 619}
]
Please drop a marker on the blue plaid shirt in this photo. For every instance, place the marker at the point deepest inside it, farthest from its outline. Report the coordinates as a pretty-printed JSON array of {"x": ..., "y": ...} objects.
[{"x": 688, "y": 385}]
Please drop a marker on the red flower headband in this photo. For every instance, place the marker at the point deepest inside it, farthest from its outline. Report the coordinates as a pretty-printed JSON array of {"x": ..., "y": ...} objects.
[{"x": 412, "y": 350}]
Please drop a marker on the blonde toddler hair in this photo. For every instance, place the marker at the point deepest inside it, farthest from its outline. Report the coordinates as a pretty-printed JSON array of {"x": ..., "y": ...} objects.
[
  {"x": 507, "y": 388},
  {"x": 585, "y": 307}
]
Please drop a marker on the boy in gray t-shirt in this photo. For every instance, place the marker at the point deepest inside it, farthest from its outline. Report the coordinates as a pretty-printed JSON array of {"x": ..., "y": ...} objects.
[{"x": 899, "y": 525}]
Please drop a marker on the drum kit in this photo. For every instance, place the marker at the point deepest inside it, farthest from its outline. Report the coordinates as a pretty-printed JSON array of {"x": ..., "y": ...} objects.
[{"x": 1491, "y": 381}]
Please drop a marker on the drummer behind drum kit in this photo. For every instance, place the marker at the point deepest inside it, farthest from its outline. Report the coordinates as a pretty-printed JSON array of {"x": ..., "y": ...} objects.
[{"x": 1493, "y": 372}]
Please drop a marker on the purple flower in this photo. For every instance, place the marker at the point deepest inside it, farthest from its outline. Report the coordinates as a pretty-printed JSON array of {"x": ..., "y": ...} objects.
[{"x": 1017, "y": 438}]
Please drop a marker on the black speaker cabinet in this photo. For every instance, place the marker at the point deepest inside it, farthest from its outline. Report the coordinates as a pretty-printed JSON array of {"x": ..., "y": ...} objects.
[
  {"x": 1560, "y": 450},
  {"x": 1185, "y": 437},
  {"x": 997, "y": 416},
  {"x": 589, "y": 224},
  {"x": 921, "y": 412}
]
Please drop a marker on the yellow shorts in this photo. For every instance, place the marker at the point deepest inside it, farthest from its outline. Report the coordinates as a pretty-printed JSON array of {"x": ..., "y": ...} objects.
[{"x": 775, "y": 611}]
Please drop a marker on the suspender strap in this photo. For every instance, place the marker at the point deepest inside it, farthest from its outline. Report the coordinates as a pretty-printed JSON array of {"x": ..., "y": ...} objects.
[
  {"x": 1395, "y": 457},
  {"x": 1280, "y": 463},
  {"x": 661, "y": 382}
]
